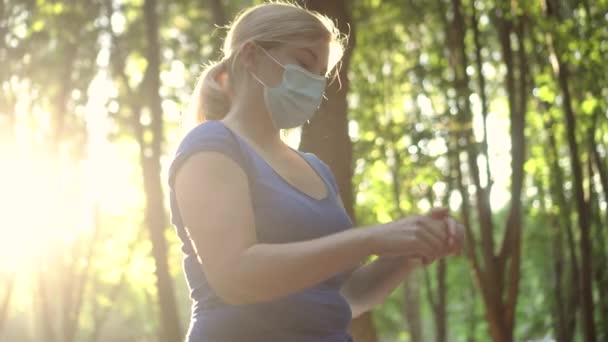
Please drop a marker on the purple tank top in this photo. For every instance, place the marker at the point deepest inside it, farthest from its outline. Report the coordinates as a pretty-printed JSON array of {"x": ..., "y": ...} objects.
[{"x": 282, "y": 214}]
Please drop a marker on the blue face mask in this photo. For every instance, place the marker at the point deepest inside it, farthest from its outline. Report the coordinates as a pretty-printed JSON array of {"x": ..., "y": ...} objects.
[{"x": 296, "y": 100}]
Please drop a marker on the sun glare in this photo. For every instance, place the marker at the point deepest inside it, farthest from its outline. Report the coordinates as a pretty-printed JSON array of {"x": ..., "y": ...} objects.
[
  {"x": 34, "y": 201},
  {"x": 48, "y": 204}
]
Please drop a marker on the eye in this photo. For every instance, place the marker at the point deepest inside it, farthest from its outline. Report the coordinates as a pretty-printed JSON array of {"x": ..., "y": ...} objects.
[{"x": 302, "y": 64}]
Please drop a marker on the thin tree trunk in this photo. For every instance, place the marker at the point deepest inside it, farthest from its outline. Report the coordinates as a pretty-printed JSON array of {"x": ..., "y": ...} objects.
[
  {"x": 562, "y": 74},
  {"x": 441, "y": 315},
  {"x": 9, "y": 282},
  {"x": 511, "y": 244},
  {"x": 600, "y": 272},
  {"x": 47, "y": 319},
  {"x": 571, "y": 297},
  {"x": 326, "y": 134},
  {"x": 63, "y": 96},
  {"x": 465, "y": 208},
  {"x": 411, "y": 289},
  {"x": 438, "y": 303},
  {"x": 100, "y": 316},
  {"x": 79, "y": 282},
  {"x": 597, "y": 224},
  {"x": 437, "y": 297},
  {"x": 499, "y": 277},
  {"x": 219, "y": 21},
  {"x": 560, "y": 305},
  {"x": 411, "y": 307},
  {"x": 482, "y": 92},
  {"x": 7, "y": 130},
  {"x": 150, "y": 161},
  {"x": 582, "y": 208},
  {"x": 602, "y": 169},
  {"x": 569, "y": 305}
]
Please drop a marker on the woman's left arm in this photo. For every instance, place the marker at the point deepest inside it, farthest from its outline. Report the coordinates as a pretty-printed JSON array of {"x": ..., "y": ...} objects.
[{"x": 370, "y": 284}]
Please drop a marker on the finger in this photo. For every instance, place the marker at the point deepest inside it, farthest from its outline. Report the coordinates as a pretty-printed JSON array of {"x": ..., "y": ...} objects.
[
  {"x": 448, "y": 234},
  {"x": 436, "y": 227},
  {"x": 424, "y": 250},
  {"x": 458, "y": 245},
  {"x": 436, "y": 244},
  {"x": 425, "y": 256}
]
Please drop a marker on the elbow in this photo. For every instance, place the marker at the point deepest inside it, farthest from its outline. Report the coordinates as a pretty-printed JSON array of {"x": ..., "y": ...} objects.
[
  {"x": 227, "y": 290},
  {"x": 229, "y": 297},
  {"x": 358, "y": 309},
  {"x": 359, "y": 303},
  {"x": 232, "y": 291}
]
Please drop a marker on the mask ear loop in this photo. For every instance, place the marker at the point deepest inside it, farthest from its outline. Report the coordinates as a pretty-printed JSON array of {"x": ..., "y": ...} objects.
[
  {"x": 271, "y": 57},
  {"x": 258, "y": 79}
]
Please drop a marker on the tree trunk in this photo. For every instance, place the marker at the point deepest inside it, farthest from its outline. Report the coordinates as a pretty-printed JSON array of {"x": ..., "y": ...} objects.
[
  {"x": 599, "y": 267},
  {"x": 7, "y": 294},
  {"x": 78, "y": 279},
  {"x": 219, "y": 20},
  {"x": 438, "y": 301},
  {"x": 568, "y": 303},
  {"x": 411, "y": 307},
  {"x": 562, "y": 74},
  {"x": 47, "y": 318},
  {"x": 441, "y": 310},
  {"x": 498, "y": 277},
  {"x": 601, "y": 264},
  {"x": 482, "y": 92},
  {"x": 150, "y": 160},
  {"x": 582, "y": 207},
  {"x": 326, "y": 135},
  {"x": 411, "y": 288}
]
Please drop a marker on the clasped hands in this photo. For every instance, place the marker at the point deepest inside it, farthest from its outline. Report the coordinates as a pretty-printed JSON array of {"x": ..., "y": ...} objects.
[{"x": 426, "y": 237}]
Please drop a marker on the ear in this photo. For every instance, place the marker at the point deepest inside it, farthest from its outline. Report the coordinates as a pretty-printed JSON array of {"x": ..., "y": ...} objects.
[
  {"x": 248, "y": 56},
  {"x": 223, "y": 80}
]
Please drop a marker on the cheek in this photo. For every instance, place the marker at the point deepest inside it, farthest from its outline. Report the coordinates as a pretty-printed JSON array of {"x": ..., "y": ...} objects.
[{"x": 274, "y": 75}]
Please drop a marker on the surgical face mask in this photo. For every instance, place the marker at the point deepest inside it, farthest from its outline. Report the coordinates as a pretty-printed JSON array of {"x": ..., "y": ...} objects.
[{"x": 296, "y": 99}]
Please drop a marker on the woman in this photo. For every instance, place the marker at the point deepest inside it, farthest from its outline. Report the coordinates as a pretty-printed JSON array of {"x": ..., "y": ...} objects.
[{"x": 269, "y": 253}]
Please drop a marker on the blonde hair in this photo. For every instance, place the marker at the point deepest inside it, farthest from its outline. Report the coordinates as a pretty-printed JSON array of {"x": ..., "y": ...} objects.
[{"x": 269, "y": 25}]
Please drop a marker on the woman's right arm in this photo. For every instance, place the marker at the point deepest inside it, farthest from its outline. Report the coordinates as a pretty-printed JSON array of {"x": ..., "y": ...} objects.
[{"x": 215, "y": 206}]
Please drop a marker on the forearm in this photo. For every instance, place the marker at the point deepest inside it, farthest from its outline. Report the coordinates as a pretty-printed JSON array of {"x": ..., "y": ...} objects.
[
  {"x": 370, "y": 284},
  {"x": 266, "y": 271}
]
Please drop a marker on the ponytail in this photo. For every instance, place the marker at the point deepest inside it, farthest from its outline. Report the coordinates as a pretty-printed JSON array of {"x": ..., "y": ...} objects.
[{"x": 209, "y": 101}]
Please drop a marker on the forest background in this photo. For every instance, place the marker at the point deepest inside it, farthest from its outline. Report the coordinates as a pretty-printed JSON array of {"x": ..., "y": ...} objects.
[{"x": 497, "y": 109}]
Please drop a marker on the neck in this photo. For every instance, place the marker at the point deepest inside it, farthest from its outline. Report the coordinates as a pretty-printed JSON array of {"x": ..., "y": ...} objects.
[{"x": 253, "y": 124}]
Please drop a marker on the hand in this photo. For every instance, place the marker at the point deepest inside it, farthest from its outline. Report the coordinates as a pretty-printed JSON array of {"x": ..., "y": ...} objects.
[
  {"x": 456, "y": 231},
  {"x": 420, "y": 236}
]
